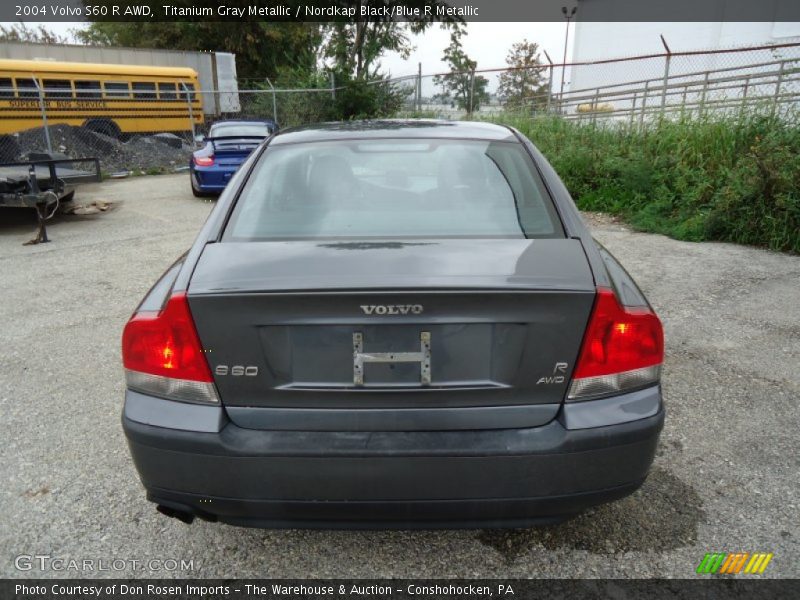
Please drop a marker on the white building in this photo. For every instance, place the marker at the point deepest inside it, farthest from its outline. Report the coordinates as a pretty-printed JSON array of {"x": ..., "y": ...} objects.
[{"x": 594, "y": 40}]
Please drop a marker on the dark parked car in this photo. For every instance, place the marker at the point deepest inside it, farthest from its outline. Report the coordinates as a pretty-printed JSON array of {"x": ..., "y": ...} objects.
[
  {"x": 227, "y": 146},
  {"x": 393, "y": 324}
]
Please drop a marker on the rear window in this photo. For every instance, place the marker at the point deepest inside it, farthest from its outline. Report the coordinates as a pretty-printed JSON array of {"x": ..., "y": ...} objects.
[
  {"x": 243, "y": 129},
  {"x": 394, "y": 189}
]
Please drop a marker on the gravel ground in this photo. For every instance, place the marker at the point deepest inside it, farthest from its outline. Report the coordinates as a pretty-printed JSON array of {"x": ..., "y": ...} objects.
[{"x": 725, "y": 479}]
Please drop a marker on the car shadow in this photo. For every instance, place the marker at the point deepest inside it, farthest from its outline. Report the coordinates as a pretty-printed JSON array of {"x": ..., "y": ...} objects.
[{"x": 662, "y": 515}]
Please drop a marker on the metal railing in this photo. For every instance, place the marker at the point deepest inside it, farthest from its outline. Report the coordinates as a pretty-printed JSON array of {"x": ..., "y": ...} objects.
[
  {"x": 637, "y": 88},
  {"x": 772, "y": 86}
]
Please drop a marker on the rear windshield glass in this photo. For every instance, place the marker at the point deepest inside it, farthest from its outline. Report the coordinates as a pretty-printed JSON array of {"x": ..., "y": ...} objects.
[
  {"x": 393, "y": 189},
  {"x": 260, "y": 129}
]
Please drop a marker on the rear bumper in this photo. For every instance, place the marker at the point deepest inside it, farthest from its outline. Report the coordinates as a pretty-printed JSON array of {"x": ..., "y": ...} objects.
[
  {"x": 212, "y": 179},
  {"x": 355, "y": 479}
]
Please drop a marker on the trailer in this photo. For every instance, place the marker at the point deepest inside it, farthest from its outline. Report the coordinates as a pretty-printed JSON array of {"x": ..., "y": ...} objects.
[{"x": 45, "y": 184}]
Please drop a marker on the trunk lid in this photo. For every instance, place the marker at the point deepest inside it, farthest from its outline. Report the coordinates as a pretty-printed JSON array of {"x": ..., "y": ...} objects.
[{"x": 423, "y": 324}]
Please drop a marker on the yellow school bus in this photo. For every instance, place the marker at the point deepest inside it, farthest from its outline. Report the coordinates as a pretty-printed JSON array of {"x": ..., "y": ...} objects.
[{"x": 113, "y": 99}]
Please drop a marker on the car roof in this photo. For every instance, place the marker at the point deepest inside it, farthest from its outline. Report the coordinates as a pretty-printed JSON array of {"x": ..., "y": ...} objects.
[{"x": 395, "y": 128}]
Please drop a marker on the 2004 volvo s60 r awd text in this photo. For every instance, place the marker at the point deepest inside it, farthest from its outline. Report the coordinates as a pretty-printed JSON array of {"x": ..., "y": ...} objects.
[{"x": 393, "y": 324}]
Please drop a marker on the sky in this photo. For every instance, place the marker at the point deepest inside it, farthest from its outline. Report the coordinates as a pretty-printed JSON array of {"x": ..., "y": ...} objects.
[{"x": 487, "y": 43}]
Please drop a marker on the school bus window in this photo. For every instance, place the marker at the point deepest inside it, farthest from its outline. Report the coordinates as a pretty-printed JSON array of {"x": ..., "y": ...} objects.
[
  {"x": 26, "y": 88},
  {"x": 117, "y": 89},
  {"x": 166, "y": 91},
  {"x": 6, "y": 87},
  {"x": 87, "y": 89},
  {"x": 190, "y": 88},
  {"x": 144, "y": 90},
  {"x": 57, "y": 88}
]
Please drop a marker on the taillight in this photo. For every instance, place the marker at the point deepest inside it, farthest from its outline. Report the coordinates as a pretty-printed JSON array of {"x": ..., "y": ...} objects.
[
  {"x": 162, "y": 354},
  {"x": 623, "y": 349},
  {"x": 204, "y": 161}
]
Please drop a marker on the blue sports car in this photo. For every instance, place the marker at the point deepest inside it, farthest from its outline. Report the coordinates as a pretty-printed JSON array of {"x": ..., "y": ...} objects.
[{"x": 227, "y": 146}]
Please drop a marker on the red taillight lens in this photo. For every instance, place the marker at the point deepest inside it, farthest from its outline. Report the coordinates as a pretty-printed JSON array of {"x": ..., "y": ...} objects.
[
  {"x": 165, "y": 343},
  {"x": 623, "y": 348},
  {"x": 204, "y": 161},
  {"x": 619, "y": 339}
]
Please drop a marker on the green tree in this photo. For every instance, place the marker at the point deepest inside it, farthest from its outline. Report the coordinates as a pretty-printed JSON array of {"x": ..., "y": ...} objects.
[
  {"x": 524, "y": 84},
  {"x": 19, "y": 32},
  {"x": 461, "y": 86},
  {"x": 356, "y": 47},
  {"x": 353, "y": 50},
  {"x": 262, "y": 49},
  {"x": 295, "y": 54}
]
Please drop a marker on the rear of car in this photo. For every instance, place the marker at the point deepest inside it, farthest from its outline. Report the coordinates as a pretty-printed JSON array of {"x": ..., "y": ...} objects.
[
  {"x": 393, "y": 325},
  {"x": 227, "y": 146}
]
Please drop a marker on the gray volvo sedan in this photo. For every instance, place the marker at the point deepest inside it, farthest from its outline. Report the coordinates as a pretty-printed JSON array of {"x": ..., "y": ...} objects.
[{"x": 393, "y": 324}]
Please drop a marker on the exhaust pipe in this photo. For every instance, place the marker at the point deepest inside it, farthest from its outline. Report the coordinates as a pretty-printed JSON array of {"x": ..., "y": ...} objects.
[{"x": 181, "y": 515}]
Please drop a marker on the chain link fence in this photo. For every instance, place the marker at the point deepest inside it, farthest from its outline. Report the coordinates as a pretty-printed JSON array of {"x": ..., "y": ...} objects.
[
  {"x": 696, "y": 84},
  {"x": 144, "y": 132},
  {"x": 632, "y": 90},
  {"x": 141, "y": 127},
  {"x": 149, "y": 129}
]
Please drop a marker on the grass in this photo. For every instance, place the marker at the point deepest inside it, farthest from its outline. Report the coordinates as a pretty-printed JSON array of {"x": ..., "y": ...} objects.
[{"x": 734, "y": 179}]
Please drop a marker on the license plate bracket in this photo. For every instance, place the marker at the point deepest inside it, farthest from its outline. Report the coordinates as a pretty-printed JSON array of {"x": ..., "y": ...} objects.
[{"x": 360, "y": 358}]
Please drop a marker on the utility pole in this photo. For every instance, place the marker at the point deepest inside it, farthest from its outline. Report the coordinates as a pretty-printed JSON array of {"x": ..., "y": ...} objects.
[
  {"x": 419, "y": 87},
  {"x": 568, "y": 15},
  {"x": 471, "y": 90},
  {"x": 549, "y": 81},
  {"x": 667, "y": 61}
]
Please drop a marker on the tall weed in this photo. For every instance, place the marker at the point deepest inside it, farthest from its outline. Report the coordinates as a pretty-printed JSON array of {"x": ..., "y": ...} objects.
[{"x": 728, "y": 178}]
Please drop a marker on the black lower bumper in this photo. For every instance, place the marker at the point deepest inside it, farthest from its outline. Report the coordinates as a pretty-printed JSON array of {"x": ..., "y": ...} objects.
[
  {"x": 492, "y": 478},
  {"x": 389, "y": 514}
]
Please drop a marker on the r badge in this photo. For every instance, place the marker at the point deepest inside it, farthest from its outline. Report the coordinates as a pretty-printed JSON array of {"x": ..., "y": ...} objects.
[{"x": 558, "y": 374}]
